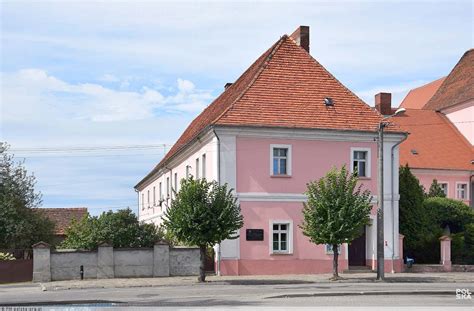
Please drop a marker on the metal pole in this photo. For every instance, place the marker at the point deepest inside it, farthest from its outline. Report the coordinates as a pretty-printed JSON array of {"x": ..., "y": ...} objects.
[{"x": 380, "y": 225}]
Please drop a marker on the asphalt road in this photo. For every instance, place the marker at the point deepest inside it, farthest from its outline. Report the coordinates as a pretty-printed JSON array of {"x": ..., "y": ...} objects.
[{"x": 224, "y": 295}]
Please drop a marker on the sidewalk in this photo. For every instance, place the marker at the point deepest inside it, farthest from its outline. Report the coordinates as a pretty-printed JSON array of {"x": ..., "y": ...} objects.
[{"x": 367, "y": 278}]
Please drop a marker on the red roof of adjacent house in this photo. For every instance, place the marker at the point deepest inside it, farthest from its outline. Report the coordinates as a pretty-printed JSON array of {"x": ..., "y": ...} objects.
[
  {"x": 62, "y": 217},
  {"x": 433, "y": 142},
  {"x": 458, "y": 87},
  {"x": 285, "y": 87},
  {"x": 418, "y": 97}
]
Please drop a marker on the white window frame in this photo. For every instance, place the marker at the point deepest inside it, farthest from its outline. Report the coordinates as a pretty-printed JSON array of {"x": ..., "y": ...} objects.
[
  {"x": 466, "y": 193},
  {"x": 154, "y": 195},
  {"x": 188, "y": 167},
  {"x": 148, "y": 197},
  {"x": 176, "y": 182},
  {"x": 197, "y": 168},
  {"x": 288, "y": 159},
  {"x": 368, "y": 165},
  {"x": 167, "y": 187},
  {"x": 328, "y": 249},
  {"x": 160, "y": 191},
  {"x": 287, "y": 222},
  {"x": 447, "y": 186},
  {"x": 203, "y": 166},
  {"x": 143, "y": 201}
]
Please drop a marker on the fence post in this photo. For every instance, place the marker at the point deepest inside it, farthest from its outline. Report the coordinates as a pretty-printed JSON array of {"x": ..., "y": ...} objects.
[
  {"x": 161, "y": 259},
  {"x": 445, "y": 248},
  {"x": 105, "y": 261},
  {"x": 41, "y": 262}
]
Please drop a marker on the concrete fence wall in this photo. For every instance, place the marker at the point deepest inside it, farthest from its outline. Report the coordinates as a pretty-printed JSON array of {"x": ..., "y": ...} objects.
[{"x": 107, "y": 262}]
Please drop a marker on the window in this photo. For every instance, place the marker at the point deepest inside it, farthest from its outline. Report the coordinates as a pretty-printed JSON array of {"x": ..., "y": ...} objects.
[
  {"x": 328, "y": 248},
  {"x": 167, "y": 187},
  {"x": 160, "y": 192},
  {"x": 197, "y": 168},
  {"x": 444, "y": 187},
  {"x": 280, "y": 163},
  {"x": 143, "y": 201},
  {"x": 176, "y": 182},
  {"x": 360, "y": 162},
  {"x": 148, "y": 198},
  {"x": 461, "y": 191},
  {"x": 187, "y": 171},
  {"x": 203, "y": 166},
  {"x": 281, "y": 237},
  {"x": 154, "y": 196}
]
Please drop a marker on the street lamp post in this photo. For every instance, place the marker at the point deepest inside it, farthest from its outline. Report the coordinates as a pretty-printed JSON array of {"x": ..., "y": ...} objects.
[{"x": 380, "y": 216}]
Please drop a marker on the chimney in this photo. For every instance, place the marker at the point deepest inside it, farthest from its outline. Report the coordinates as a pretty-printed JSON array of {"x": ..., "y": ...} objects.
[
  {"x": 227, "y": 85},
  {"x": 383, "y": 103},
  {"x": 301, "y": 36}
]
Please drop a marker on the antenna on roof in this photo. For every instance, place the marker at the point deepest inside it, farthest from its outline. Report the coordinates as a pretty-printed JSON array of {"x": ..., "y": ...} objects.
[{"x": 328, "y": 101}]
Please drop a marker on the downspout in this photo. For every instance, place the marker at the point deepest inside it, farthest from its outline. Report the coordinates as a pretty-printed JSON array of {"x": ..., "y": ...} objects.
[
  {"x": 391, "y": 197},
  {"x": 219, "y": 183}
]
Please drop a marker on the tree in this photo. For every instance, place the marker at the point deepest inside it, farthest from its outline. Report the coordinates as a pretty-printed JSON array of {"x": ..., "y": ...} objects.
[
  {"x": 22, "y": 224},
  {"x": 336, "y": 211},
  {"x": 416, "y": 223},
  {"x": 120, "y": 228},
  {"x": 203, "y": 214},
  {"x": 448, "y": 212},
  {"x": 436, "y": 190}
]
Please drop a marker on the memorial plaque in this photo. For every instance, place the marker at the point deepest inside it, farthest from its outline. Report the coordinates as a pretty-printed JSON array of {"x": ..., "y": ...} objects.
[{"x": 254, "y": 234}]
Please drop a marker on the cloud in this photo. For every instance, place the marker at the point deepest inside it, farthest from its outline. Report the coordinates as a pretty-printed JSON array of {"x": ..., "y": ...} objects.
[
  {"x": 33, "y": 93},
  {"x": 109, "y": 78}
]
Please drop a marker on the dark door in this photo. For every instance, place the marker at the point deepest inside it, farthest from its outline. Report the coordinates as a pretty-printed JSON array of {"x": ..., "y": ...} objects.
[{"x": 357, "y": 250}]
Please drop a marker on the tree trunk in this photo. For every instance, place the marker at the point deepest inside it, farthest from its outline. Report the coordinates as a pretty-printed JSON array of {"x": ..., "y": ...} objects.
[
  {"x": 335, "y": 273},
  {"x": 202, "y": 267}
]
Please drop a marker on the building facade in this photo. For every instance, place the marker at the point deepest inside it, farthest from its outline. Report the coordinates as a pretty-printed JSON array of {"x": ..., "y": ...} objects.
[{"x": 285, "y": 122}]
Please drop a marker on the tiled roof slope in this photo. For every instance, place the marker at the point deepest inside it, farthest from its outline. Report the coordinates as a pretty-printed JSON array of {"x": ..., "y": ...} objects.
[
  {"x": 62, "y": 217},
  {"x": 458, "y": 87},
  {"x": 436, "y": 141},
  {"x": 417, "y": 98},
  {"x": 284, "y": 87}
]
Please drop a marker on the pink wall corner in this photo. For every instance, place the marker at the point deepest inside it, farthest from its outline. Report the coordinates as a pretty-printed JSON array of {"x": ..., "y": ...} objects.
[{"x": 309, "y": 162}]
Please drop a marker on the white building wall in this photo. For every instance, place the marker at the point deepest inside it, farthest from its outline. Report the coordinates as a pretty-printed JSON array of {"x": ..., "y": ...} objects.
[{"x": 152, "y": 211}]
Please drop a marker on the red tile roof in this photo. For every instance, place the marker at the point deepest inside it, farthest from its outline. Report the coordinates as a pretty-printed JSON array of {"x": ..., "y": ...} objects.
[
  {"x": 458, "y": 87},
  {"x": 62, "y": 217},
  {"x": 436, "y": 141},
  {"x": 417, "y": 98},
  {"x": 285, "y": 87}
]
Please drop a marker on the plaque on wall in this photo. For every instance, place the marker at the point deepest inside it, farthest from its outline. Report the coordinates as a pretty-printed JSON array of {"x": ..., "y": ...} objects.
[{"x": 254, "y": 234}]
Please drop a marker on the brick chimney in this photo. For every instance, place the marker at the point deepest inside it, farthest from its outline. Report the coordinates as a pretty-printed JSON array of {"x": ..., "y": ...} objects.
[
  {"x": 301, "y": 36},
  {"x": 383, "y": 103}
]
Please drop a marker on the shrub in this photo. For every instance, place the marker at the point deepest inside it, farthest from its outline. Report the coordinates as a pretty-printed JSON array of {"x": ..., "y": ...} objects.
[{"x": 6, "y": 256}]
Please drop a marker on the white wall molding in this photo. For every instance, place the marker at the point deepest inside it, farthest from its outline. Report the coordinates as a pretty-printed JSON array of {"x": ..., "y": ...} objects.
[
  {"x": 292, "y": 197},
  {"x": 308, "y": 134}
]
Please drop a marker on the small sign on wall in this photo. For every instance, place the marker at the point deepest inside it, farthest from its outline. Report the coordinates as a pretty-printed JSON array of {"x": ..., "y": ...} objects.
[{"x": 254, "y": 234}]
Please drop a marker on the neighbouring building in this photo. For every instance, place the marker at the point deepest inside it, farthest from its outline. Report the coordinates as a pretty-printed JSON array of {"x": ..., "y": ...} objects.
[
  {"x": 284, "y": 122},
  {"x": 62, "y": 219},
  {"x": 440, "y": 122}
]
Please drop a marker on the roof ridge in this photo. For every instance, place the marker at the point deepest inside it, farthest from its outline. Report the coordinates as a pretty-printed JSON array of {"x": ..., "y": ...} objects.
[
  {"x": 264, "y": 65},
  {"x": 344, "y": 87}
]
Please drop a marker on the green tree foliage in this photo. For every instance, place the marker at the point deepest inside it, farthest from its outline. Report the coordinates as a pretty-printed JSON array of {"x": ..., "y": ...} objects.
[
  {"x": 336, "y": 210},
  {"x": 416, "y": 223},
  {"x": 435, "y": 190},
  {"x": 448, "y": 212},
  {"x": 462, "y": 246},
  {"x": 203, "y": 214},
  {"x": 120, "y": 229},
  {"x": 22, "y": 224}
]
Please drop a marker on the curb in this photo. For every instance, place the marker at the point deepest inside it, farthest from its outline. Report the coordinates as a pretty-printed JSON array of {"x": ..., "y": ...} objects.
[{"x": 378, "y": 293}]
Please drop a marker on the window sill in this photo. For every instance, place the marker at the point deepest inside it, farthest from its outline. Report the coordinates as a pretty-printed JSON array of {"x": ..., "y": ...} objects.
[
  {"x": 280, "y": 176},
  {"x": 364, "y": 178},
  {"x": 280, "y": 254}
]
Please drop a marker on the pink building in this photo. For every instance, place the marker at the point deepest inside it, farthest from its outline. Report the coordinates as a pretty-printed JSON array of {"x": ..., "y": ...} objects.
[
  {"x": 440, "y": 121},
  {"x": 284, "y": 122}
]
